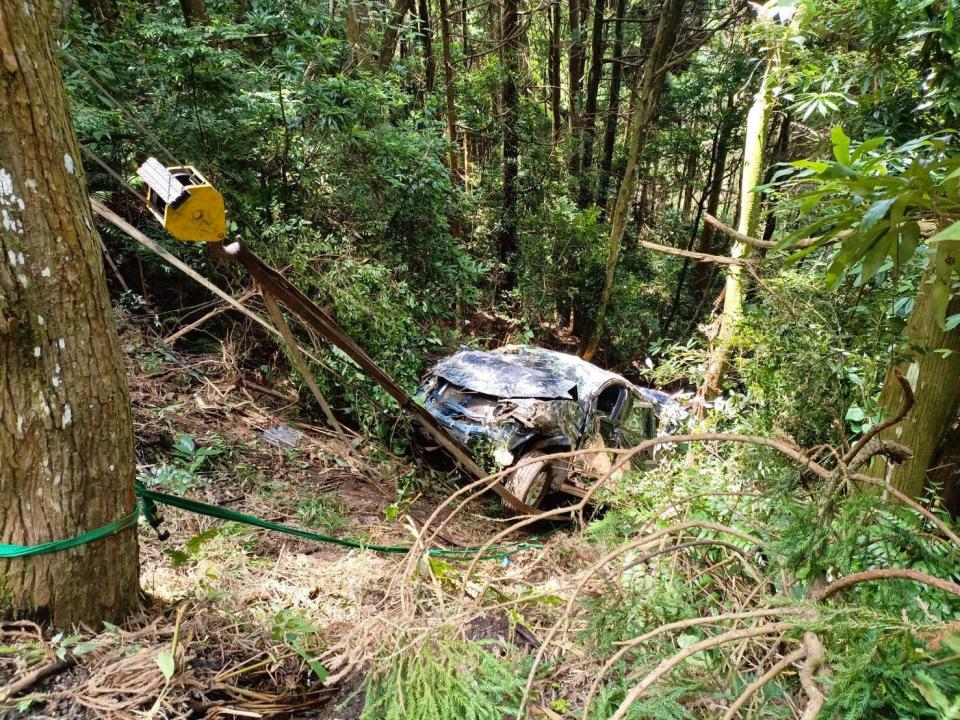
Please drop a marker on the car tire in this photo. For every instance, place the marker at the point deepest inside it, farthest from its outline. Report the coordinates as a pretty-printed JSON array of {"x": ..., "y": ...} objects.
[{"x": 530, "y": 483}]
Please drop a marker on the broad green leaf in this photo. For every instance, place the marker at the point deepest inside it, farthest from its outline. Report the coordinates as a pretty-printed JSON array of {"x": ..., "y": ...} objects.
[
  {"x": 841, "y": 145},
  {"x": 866, "y": 146},
  {"x": 909, "y": 240},
  {"x": 814, "y": 165},
  {"x": 940, "y": 295},
  {"x": 855, "y": 414},
  {"x": 949, "y": 233},
  {"x": 166, "y": 664},
  {"x": 876, "y": 213},
  {"x": 876, "y": 255}
]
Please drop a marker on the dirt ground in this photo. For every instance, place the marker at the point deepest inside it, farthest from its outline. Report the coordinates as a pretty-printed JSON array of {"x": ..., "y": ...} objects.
[{"x": 242, "y": 622}]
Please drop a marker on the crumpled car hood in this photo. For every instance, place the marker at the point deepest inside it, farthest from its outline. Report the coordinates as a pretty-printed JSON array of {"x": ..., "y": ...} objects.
[
  {"x": 523, "y": 371},
  {"x": 492, "y": 374}
]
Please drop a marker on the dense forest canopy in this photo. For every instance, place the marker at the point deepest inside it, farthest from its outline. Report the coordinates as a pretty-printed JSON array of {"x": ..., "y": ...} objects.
[{"x": 751, "y": 206}]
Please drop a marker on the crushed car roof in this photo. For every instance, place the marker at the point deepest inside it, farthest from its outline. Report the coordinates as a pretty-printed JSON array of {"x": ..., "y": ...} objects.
[{"x": 524, "y": 371}]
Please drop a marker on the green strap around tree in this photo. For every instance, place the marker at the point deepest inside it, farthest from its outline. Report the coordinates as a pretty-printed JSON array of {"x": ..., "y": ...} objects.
[
  {"x": 147, "y": 505},
  {"x": 15, "y": 551}
]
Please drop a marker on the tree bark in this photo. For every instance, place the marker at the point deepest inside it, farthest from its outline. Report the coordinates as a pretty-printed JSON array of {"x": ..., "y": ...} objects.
[
  {"x": 194, "y": 12},
  {"x": 935, "y": 380},
  {"x": 356, "y": 27},
  {"x": 780, "y": 152},
  {"x": 554, "y": 73},
  {"x": 391, "y": 33},
  {"x": 102, "y": 12},
  {"x": 589, "y": 131},
  {"x": 944, "y": 475},
  {"x": 449, "y": 91},
  {"x": 66, "y": 440},
  {"x": 506, "y": 235},
  {"x": 575, "y": 62},
  {"x": 755, "y": 138},
  {"x": 702, "y": 274},
  {"x": 426, "y": 44},
  {"x": 654, "y": 78},
  {"x": 613, "y": 107}
]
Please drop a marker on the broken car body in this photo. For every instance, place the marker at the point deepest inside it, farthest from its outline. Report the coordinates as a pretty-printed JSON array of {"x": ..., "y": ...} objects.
[{"x": 522, "y": 402}]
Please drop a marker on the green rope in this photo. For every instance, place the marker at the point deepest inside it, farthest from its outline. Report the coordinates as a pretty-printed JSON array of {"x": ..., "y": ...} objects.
[
  {"x": 147, "y": 506},
  {"x": 222, "y": 513},
  {"x": 16, "y": 551}
]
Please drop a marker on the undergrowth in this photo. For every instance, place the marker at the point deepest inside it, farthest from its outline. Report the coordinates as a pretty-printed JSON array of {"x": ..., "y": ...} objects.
[{"x": 446, "y": 679}]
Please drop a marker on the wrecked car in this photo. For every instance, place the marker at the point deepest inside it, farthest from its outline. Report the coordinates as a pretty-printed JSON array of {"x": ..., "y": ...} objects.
[{"x": 522, "y": 402}]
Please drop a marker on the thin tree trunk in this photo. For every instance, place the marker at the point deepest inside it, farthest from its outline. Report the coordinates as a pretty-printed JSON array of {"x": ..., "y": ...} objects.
[
  {"x": 613, "y": 107},
  {"x": 426, "y": 44},
  {"x": 554, "y": 72},
  {"x": 589, "y": 132},
  {"x": 66, "y": 440},
  {"x": 654, "y": 78},
  {"x": 935, "y": 380},
  {"x": 755, "y": 135},
  {"x": 506, "y": 236},
  {"x": 701, "y": 274},
  {"x": 575, "y": 62},
  {"x": 780, "y": 153},
  {"x": 449, "y": 91}
]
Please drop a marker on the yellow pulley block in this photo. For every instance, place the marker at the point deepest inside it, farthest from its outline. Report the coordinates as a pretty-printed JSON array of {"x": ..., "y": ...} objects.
[{"x": 188, "y": 207}]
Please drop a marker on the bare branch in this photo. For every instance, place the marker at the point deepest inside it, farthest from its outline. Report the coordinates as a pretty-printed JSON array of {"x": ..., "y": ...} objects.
[
  {"x": 769, "y": 675},
  {"x": 887, "y": 574},
  {"x": 637, "y": 691}
]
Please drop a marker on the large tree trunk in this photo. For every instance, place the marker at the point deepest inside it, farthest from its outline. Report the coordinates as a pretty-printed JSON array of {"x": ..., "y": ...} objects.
[
  {"x": 66, "y": 442},
  {"x": 935, "y": 380},
  {"x": 755, "y": 138},
  {"x": 391, "y": 32},
  {"x": 195, "y": 12},
  {"x": 506, "y": 235},
  {"x": 357, "y": 19},
  {"x": 613, "y": 107},
  {"x": 654, "y": 78},
  {"x": 944, "y": 474},
  {"x": 554, "y": 72},
  {"x": 449, "y": 91},
  {"x": 589, "y": 131}
]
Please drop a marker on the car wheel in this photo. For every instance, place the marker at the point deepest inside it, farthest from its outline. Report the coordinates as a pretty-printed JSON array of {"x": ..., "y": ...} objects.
[{"x": 531, "y": 482}]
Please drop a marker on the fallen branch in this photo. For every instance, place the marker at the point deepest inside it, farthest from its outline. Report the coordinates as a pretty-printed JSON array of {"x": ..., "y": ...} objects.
[
  {"x": 816, "y": 655},
  {"x": 753, "y": 242},
  {"x": 171, "y": 339},
  {"x": 751, "y": 689},
  {"x": 37, "y": 676},
  {"x": 905, "y": 406},
  {"x": 702, "y": 257},
  {"x": 886, "y": 574},
  {"x": 637, "y": 691},
  {"x": 628, "y": 645}
]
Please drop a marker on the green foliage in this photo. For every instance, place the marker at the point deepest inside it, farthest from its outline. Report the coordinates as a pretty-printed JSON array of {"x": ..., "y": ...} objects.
[
  {"x": 445, "y": 679},
  {"x": 877, "y": 200}
]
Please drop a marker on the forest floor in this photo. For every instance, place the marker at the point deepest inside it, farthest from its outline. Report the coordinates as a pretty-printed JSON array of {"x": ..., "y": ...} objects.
[{"x": 243, "y": 622}]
